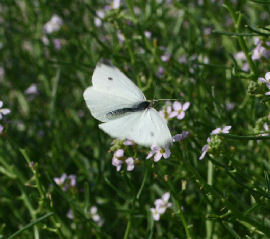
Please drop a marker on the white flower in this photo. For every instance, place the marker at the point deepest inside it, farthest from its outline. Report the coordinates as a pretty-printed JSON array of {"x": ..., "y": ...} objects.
[
  {"x": 3, "y": 111},
  {"x": 161, "y": 205},
  {"x": 53, "y": 25},
  {"x": 115, "y": 160},
  {"x": 94, "y": 215},
  {"x": 155, "y": 214},
  {"x": 159, "y": 152},
  {"x": 31, "y": 90}
]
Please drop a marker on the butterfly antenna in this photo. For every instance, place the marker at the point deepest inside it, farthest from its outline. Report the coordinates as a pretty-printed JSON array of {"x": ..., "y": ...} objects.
[{"x": 164, "y": 99}]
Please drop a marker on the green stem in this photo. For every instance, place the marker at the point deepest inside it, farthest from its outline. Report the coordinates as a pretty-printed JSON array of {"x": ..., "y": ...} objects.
[
  {"x": 238, "y": 24},
  {"x": 209, "y": 223},
  {"x": 243, "y": 137}
]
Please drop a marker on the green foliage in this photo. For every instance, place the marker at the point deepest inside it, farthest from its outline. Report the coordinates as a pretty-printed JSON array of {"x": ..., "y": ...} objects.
[{"x": 225, "y": 195}]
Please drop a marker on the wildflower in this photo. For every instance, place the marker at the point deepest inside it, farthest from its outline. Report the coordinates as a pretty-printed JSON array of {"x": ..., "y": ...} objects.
[
  {"x": 130, "y": 163},
  {"x": 60, "y": 181},
  {"x": 216, "y": 131},
  {"x": 179, "y": 110},
  {"x": 115, "y": 160},
  {"x": 180, "y": 137},
  {"x": 165, "y": 113},
  {"x": 53, "y": 25},
  {"x": 205, "y": 149},
  {"x": 94, "y": 215},
  {"x": 100, "y": 16},
  {"x": 160, "y": 71},
  {"x": 148, "y": 34},
  {"x": 266, "y": 81},
  {"x": 3, "y": 111},
  {"x": 57, "y": 44},
  {"x": 65, "y": 181},
  {"x": 225, "y": 130},
  {"x": 128, "y": 142},
  {"x": 166, "y": 57},
  {"x": 260, "y": 51},
  {"x": 70, "y": 214},
  {"x": 116, "y": 4},
  {"x": 159, "y": 153},
  {"x": 72, "y": 179},
  {"x": 161, "y": 206},
  {"x": 31, "y": 90}
]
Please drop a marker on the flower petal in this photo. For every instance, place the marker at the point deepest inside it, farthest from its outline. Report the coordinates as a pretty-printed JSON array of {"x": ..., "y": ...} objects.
[
  {"x": 119, "y": 153},
  {"x": 1, "y": 103},
  {"x": 261, "y": 79},
  {"x": 186, "y": 106},
  {"x": 226, "y": 129},
  {"x": 173, "y": 114},
  {"x": 157, "y": 157},
  {"x": 267, "y": 76},
  {"x": 216, "y": 131},
  {"x": 177, "y": 105},
  {"x": 181, "y": 115},
  {"x": 5, "y": 111}
]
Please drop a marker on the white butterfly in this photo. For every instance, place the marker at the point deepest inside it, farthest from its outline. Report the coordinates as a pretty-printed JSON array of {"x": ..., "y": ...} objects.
[{"x": 120, "y": 104}]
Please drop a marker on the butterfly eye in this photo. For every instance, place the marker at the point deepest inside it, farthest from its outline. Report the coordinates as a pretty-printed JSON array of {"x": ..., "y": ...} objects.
[{"x": 110, "y": 78}]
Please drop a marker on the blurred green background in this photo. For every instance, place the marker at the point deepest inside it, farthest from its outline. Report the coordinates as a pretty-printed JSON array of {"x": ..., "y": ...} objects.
[{"x": 206, "y": 52}]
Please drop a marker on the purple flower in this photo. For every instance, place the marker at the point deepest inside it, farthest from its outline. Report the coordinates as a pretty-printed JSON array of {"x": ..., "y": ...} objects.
[
  {"x": 180, "y": 137},
  {"x": 205, "y": 148},
  {"x": 166, "y": 57},
  {"x": 266, "y": 81},
  {"x": 116, "y": 4},
  {"x": 70, "y": 214},
  {"x": 53, "y": 25},
  {"x": 165, "y": 113},
  {"x": 130, "y": 163},
  {"x": 161, "y": 206},
  {"x": 3, "y": 111},
  {"x": 225, "y": 130},
  {"x": 57, "y": 44},
  {"x": 159, "y": 153},
  {"x": 179, "y": 110},
  {"x": 115, "y": 160}
]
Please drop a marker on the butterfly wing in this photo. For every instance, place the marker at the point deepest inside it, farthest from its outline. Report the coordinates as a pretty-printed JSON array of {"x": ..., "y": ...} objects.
[
  {"x": 144, "y": 127},
  {"x": 108, "y": 78},
  {"x": 111, "y": 91}
]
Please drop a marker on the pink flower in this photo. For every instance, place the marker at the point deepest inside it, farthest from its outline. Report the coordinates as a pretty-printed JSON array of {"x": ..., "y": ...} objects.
[
  {"x": 225, "y": 130},
  {"x": 179, "y": 110},
  {"x": 115, "y": 160},
  {"x": 180, "y": 137},
  {"x": 159, "y": 153},
  {"x": 130, "y": 163}
]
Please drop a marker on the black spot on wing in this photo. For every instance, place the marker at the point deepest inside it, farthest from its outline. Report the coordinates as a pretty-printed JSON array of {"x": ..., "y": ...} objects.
[
  {"x": 152, "y": 134},
  {"x": 110, "y": 78}
]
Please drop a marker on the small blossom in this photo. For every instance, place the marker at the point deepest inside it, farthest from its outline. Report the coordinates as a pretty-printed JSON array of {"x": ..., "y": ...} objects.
[
  {"x": 148, "y": 34},
  {"x": 130, "y": 163},
  {"x": 31, "y": 90},
  {"x": 155, "y": 214},
  {"x": 115, "y": 160},
  {"x": 204, "y": 151},
  {"x": 94, "y": 215},
  {"x": 179, "y": 110},
  {"x": 165, "y": 113},
  {"x": 180, "y": 137},
  {"x": 72, "y": 179},
  {"x": 53, "y": 25},
  {"x": 60, "y": 181},
  {"x": 260, "y": 51},
  {"x": 116, "y": 4},
  {"x": 128, "y": 142},
  {"x": 70, "y": 214},
  {"x": 160, "y": 71},
  {"x": 3, "y": 111},
  {"x": 100, "y": 16},
  {"x": 159, "y": 153},
  {"x": 166, "y": 57},
  {"x": 161, "y": 206},
  {"x": 266, "y": 81},
  {"x": 57, "y": 44},
  {"x": 225, "y": 130}
]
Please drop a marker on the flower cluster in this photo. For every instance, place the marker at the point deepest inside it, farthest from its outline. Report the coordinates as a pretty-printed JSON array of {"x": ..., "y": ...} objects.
[
  {"x": 216, "y": 131},
  {"x": 118, "y": 160},
  {"x": 266, "y": 81},
  {"x": 3, "y": 111},
  {"x": 66, "y": 182},
  {"x": 161, "y": 205},
  {"x": 53, "y": 25}
]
